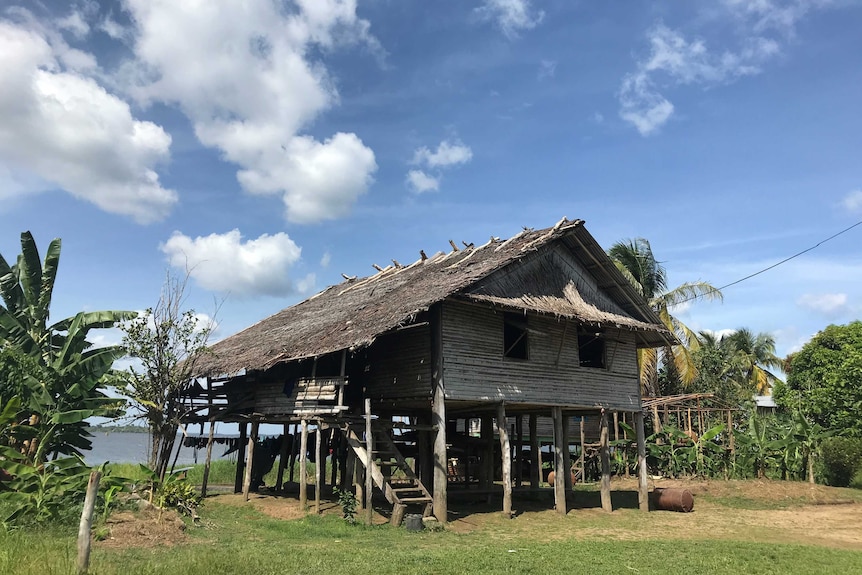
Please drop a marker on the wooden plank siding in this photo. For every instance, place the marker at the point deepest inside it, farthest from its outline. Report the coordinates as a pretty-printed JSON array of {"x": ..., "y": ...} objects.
[
  {"x": 476, "y": 370},
  {"x": 399, "y": 365}
]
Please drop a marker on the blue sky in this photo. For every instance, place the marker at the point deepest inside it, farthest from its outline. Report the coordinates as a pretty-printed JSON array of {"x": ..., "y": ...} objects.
[{"x": 271, "y": 146}]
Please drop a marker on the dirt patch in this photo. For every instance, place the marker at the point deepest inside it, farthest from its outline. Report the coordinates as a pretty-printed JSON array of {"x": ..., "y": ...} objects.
[{"x": 146, "y": 528}]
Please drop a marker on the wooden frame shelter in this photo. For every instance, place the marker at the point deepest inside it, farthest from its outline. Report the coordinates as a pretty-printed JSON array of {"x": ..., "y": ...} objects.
[{"x": 540, "y": 325}]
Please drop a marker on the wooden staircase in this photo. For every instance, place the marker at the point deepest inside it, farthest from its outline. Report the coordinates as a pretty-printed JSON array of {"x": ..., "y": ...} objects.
[{"x": 386, "y": 458}]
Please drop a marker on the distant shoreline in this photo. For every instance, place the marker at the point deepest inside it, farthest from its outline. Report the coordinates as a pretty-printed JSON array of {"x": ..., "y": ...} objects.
[{"x": 117, "y": 429}]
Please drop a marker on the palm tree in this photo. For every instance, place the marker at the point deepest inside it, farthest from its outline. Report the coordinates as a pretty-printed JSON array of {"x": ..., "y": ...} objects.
[
  {"x": 634, "y": 258},
  {"x": 753, "y": 357}
]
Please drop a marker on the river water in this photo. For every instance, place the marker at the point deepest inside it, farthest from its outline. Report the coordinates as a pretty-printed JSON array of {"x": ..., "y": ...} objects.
[{"x": 122, "y": 447}]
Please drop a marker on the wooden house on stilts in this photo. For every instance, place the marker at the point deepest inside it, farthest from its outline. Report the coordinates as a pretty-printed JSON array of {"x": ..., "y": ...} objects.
[{"x": 541, "y": 326}]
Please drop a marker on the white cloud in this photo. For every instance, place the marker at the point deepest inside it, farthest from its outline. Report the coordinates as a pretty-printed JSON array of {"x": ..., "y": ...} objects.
[
  {"x": 63, "y": 127},
  {"x": 547, "y": 69},
  {"x": 446, "y": 154},
  {"x": 325, "y": 260},
  {"x": 828, "y": 303},
  {"x": 243, "y": 73},
  {"x": 421, "y": 182},
  {"x": 226, "y": 263},
  {"x": 853, "y": 201},
  {"x": 674, "y": 60},
  {"x": 512, "y": 16}
]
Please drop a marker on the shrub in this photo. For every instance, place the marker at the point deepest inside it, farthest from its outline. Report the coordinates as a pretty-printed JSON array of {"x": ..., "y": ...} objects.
[{"x": 841, "y": 460}]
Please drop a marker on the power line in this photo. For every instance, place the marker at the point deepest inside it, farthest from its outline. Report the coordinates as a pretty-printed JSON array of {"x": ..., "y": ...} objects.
[{"x": 775, "y": 265}]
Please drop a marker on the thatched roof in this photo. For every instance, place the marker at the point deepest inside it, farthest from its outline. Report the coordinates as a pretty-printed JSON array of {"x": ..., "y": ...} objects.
[{"x": 353, "y": 313}]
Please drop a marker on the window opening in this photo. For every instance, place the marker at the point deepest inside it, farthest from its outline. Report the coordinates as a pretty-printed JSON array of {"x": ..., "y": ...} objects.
[
  {"x": 515, "y": 337},
  {"x": 591, "y": 350}
]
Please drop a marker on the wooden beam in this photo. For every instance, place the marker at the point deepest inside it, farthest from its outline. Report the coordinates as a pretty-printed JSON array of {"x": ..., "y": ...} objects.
[
  {"x": 567, "y": 456},
  {"x": 303, "y": 466},
  {"x": 506, "y": 452},
  {"x": 319, "y": 467},
  {"x": 369, "y": 461},
  {"x": 559, "y": 466},
  {"x": 208, "y": 460},
  {"x": 438, "y": 416},
  {"x": 519, "y": 449},
  {"x": 240, "y": 458},
  {"x": 583, "y": 456},
  {"x": 283, "y": 456},
  {"x": 604, "y": 452},
  {"x": 643, "y": 489},
  {"x": 487, "y": 437},
  {"x": 252, "y": 440},
  {"x": 535, "y": 454}
]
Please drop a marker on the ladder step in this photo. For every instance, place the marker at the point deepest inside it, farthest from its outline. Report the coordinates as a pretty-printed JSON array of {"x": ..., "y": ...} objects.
[
  {"x": 415, "y": 499},
  {"x": 406, "y": 489}
]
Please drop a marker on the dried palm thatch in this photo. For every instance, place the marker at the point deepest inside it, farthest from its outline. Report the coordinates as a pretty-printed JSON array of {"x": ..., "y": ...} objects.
[{"x": 352, "y": 314}]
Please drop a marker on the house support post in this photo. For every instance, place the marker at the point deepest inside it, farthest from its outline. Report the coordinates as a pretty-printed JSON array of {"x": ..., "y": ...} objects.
[
  {"x": 369, "y": 461},
  {"x": 518, "y": 462},
  {"x": 535, "y": 454},
  {"x": 643, "y": 494},
  {"x": 294, "y": 451},
  {"x": 438, "y": 416},
  {"x": 283, "y": 456},
  {"x": 303, "y": 466},
  {"x": 487, "y": 437},
  {"x": 583, "y": 456},
  {"x": 604, "y": 453},
  {"x": 656, "y": 421},
  {"x": 559, "y": 465},
  {"x": 319, "y": 466},
  {"x": 567, "y": 456},
  {"x": 209, "y": 460},
  {"x": 240, "y": 458},
  {"x": 506, "y": 452},
  {"x": 252, "y": 440}
]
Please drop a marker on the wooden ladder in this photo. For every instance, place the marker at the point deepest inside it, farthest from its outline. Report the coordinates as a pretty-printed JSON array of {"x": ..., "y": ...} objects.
[{"x": 386, "y": 456}]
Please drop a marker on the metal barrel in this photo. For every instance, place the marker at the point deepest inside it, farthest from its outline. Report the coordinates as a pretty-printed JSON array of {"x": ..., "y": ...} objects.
[{"x": 667, "y": 499}]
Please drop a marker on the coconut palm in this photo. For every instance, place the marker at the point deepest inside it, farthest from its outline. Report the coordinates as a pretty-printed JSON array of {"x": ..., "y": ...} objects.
[
  {"x": 635, "y": 259},
  {"x": 753, "y": 357}
]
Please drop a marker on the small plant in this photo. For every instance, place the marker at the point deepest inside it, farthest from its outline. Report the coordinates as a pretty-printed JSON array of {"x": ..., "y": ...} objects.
[
  {"x": 347, "y": 500},
  {"x": 174, "y": 492}
]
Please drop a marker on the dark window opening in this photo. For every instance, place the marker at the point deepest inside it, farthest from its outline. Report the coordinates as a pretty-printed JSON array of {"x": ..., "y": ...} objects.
[
  {"x": 591, "y": 350},
  {"x": 515, "y": 340}
]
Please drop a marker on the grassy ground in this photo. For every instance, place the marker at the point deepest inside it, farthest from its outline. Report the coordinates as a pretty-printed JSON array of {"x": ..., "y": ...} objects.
[{"x": 737, "y": 527}]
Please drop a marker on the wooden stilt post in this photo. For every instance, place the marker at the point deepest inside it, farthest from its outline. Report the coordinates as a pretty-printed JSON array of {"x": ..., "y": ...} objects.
[
  {"x": 604, "y": 452},
  {"x": 252, "y": 440},
  {"x": 369, "y": 461},
  {"x": 438, "y": 416},
  {"x": 487, "y": 437},
  {"x": 567, "y": 456},
  {"x": 283, "y": 456},
  {"x": 643, "y": 489},
  {"x": 656, "y": 422},
  {"x": 294, "y": 452},
  {"x": 519, "y": 450},
  {"x": 303, "y": 466},
  {"x": 616, "y": 426},
  {"x": 506, "y": 451},
  {"x": 208, "y": 461},
  {"x": 240, "y": 457},
  {"x": 535, "y": 454},
  {"x": 559, "y": 465},
  {"x": 334, "y": 441},
  {"x": 319, "y": 467},
  {"x": 86, "y": 522},
  {"x": 583, "y": 456},
  {"x": 425, "y": 459}
]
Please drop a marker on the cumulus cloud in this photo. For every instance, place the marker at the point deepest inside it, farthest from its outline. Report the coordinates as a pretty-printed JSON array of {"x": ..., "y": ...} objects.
[
  {"x": 226, "y": 263},
  {"x": 547, "y": 69},
  {"x": 511, "y": 16},
  {"x": 447, "y": 155},
  {"x": 63, "y": 127},
  {"x": 852, "y": 202},
  {"x": 828, "y": 303},
  {"x": 420, "y": 182},
  {"x": 325, "y": 260},
  {"x": 244, "y": 74}
]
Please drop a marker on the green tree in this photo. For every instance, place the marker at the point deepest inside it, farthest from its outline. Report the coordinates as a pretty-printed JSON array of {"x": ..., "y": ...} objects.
[
  {"x": 58, "y": 377},
  {"x": 636, "y": 261},
  {"x": 168, "y": 341},
  {"x": 735, "y": 366},
  {"x": 824, "y": 381},
  {"x": 753, "y": 358}
]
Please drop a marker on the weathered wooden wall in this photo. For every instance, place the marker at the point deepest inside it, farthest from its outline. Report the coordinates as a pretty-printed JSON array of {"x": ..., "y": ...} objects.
[
  {"x": 475, "y": 369},
  {"x": 399, "y": 365}
]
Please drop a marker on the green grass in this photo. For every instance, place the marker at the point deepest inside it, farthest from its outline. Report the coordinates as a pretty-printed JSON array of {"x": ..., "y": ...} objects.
[{"x": 240, "y": 540}]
